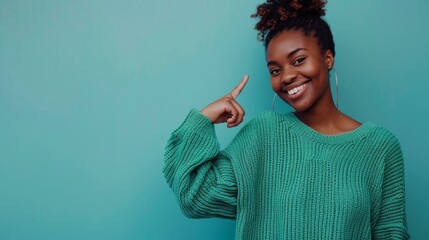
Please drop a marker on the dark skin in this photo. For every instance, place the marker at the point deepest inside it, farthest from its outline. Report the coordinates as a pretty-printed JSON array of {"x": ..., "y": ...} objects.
[
  {"x": 295, "y": 59},
  {"x": 299, "y": 73}
]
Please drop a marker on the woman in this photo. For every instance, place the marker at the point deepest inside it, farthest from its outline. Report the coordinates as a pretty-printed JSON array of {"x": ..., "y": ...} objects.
[{"x": 315, "y": 173}]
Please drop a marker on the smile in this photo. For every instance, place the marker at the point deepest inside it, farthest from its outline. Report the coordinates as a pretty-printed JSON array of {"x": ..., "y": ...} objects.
[{"x": 296, "y": 90}]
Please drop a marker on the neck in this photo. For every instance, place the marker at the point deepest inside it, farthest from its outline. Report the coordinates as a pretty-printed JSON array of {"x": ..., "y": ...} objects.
[{"x": 323, "y": 116}]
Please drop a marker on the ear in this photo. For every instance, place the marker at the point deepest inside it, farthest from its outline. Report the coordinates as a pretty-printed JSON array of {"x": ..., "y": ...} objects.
[{"x": 329, "y": 59}]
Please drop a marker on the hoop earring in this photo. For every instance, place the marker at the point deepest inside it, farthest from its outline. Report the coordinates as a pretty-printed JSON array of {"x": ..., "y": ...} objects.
[
  {"x": 274, "y": 101},
  {"x": 336, "y": 85}
]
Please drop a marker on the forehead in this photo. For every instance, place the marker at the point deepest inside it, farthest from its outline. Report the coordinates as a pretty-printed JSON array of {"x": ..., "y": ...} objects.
[{"x": 287, "y": 41}]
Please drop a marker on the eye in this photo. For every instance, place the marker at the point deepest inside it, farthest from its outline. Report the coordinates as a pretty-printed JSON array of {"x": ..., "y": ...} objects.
[
  {"x": 274, "y": 72},
  {"x": 298, "y": 61}
]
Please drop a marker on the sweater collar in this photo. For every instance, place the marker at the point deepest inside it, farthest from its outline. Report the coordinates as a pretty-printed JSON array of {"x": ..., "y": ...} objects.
[{"x": 307, "y": 132}]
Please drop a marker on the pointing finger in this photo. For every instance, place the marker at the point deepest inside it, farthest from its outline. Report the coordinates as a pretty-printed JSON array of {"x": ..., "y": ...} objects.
[
  {"x": 240, "y": 113},
  {"x": 240, "y": 86}
]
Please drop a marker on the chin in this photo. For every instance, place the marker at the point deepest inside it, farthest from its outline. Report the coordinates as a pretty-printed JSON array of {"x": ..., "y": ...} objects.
[
  {"x": 300, "y": 109},
  {"x": 300, "y": 106}
]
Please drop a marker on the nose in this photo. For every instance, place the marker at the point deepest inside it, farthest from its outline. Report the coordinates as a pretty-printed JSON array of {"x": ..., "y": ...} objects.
[{"x": 288, "y": 75}]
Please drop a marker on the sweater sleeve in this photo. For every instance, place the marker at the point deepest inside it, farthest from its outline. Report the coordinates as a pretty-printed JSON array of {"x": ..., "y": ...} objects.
[
  {"x": 202, "y": 179},
  {"x": 392, "y": 223}
]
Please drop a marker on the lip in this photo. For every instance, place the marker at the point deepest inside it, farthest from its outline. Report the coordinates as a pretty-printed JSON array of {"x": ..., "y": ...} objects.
[{"x": 298, "y": 94}]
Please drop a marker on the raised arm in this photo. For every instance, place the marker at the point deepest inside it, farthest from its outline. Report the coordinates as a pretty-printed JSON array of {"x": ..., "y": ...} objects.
[{"x": 202, "y": 178}]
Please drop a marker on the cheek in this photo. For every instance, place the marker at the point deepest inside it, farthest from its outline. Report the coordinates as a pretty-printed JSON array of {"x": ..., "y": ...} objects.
[
  {"x": 312, "y": 69},
  {"x": 275, "y": 84}
]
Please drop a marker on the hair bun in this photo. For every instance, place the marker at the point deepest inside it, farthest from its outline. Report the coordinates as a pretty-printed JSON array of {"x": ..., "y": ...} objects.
[{"x": 274, "y": 11}]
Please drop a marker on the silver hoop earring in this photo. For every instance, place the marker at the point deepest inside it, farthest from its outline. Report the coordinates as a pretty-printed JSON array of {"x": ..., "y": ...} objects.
[
  {"x": 336, "y": 85},
  {"x": 274, "y": 101}
]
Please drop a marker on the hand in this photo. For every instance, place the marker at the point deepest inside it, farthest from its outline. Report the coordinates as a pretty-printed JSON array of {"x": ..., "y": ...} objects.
[{"x": 226, "y": 109}]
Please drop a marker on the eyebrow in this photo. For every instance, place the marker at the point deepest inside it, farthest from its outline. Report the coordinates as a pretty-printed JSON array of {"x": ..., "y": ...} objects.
[{"x": 288, "y": 56}]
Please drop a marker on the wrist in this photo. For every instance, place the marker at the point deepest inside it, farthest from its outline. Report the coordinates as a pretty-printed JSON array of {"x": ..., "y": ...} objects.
[{"x": 207, "y": 114}]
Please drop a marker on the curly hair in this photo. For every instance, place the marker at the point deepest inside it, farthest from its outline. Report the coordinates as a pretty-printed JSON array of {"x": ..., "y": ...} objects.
[{"x": 280, "y": 15}]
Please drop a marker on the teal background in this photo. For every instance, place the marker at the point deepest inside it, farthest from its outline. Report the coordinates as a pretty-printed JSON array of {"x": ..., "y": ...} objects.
[{"x": 90, "y": 91}]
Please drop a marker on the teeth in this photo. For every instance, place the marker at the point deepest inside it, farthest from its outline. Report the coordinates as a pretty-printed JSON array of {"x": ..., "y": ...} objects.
[{"x": 297, "y": 89}]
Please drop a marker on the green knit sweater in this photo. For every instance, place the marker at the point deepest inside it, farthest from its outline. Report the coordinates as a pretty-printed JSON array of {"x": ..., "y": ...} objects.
[{"x": 280, "y": 179}]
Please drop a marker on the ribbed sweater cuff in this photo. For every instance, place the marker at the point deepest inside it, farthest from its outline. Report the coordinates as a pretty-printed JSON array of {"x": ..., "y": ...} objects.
[{"x": 196, "y": 122}]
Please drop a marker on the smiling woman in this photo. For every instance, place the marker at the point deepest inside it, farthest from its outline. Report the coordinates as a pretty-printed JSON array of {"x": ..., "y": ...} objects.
[
  {"x": 299, "y": 70},
  {"x": 296, "y": 65},
  {"x": 90, "y": 91},
  {"x": 314, "y": 173}
]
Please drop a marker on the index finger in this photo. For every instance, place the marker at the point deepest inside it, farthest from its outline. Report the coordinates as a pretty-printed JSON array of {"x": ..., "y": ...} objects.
[{"x": 240, "y": 86}]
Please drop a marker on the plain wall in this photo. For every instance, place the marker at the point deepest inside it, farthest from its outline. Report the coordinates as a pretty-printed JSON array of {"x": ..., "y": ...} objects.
[{"x": 91, "y": 90}]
